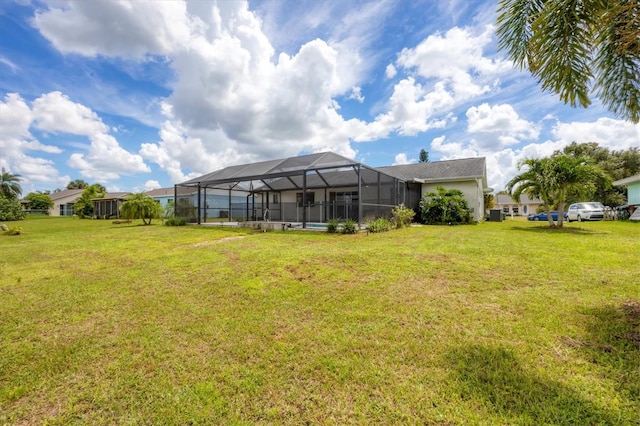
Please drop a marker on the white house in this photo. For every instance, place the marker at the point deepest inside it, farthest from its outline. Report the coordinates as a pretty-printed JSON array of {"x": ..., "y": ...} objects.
[{"x": 525, "y": 207}]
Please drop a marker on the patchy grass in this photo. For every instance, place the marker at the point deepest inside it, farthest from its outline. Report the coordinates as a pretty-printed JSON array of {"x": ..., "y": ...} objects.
[{"x": 500, "y": 323}]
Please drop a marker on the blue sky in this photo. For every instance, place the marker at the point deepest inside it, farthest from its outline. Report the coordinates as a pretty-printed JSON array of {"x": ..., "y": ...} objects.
[{"x": 142, "y": 95}]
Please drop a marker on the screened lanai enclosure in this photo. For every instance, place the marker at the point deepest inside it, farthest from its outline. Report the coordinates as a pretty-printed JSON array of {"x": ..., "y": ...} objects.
[{"x": 304, "y": 189}]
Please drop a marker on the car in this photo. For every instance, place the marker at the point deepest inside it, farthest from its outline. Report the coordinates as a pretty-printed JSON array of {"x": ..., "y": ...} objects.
[
  {"x": 543, "y": 216},
  {"x": 585, "y": 211}
]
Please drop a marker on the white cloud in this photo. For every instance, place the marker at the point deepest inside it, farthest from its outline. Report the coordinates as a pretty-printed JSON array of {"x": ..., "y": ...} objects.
[
  {"x": 56, "y": 113},
  {"x": 614, "y": 134},
  {"x": 117, "y": 28},
  {"x": 457, "y": 58},
  {"x": 390, "y": 71},
  {"x": 151, "y": 184},
  {"x": 499, "y": 126},
  {"x": 402, "y": 159},
  {"x": 356, "y": 94}
]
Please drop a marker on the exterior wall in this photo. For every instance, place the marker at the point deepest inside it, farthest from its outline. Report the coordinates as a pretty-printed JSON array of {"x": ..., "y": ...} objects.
[
  {"x": 508, "y": 206},
  {"x": 71, "y": 199},
  {"x": 471, "y": 189},
  {"x": 633, "y": 193}
]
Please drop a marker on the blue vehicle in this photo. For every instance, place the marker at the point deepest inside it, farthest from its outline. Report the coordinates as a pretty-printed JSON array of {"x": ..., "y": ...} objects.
[{"x": 543, "y": 216}]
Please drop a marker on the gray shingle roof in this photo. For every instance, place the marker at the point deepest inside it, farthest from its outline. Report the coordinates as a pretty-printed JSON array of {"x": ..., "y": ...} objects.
[
  {"x": 439, "y": 170},
  {"x": 66, "y": 193}
]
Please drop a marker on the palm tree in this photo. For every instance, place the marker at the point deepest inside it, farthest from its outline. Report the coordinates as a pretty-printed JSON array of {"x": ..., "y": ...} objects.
[
  {"x": 9, "y": 186},
  {"x": 552, "y": 178},
  {"x": 141, "y": 206},
  {"x": 575, "y": 46},
  {"x": 573, "y": 174},
  {"x": 535, "y": 182}
]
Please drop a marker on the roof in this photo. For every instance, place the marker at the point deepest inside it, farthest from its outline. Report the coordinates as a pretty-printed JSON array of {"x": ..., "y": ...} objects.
[
  {"x": 170, "y": 192},
  {"x": 524, "y": 199},
  {"x": 113, "y": 196},
  {"x": 64, "y": 194},
  {"x": 447, "y": 170},
  {"x": 283, "y": 170},
  {"x": 627, "y": 181}
]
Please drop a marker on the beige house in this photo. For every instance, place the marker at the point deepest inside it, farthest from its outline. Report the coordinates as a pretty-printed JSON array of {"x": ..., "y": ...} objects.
[
  {"x": 509, "y": 207},
  {"x": 63, "y": 202},
  {"x": 468, "y": 175}
]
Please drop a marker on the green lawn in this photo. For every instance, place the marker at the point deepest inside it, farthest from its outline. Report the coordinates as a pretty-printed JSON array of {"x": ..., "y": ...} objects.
[{"x": 500, "y": 323}]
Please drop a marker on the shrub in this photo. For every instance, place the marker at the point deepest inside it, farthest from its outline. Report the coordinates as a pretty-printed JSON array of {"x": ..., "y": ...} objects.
[
  {"x": 14, "y": 230},
  {"x": 350, "y": 226},
  {"x": 379, "y": 225},
  {"x": 175, "y": 221},
  {"x": 446, "y": 206},
  {"x": 332, "y": 226},
  {"x": 10, "y": 209},
  {"x": 402, "y": 216}
]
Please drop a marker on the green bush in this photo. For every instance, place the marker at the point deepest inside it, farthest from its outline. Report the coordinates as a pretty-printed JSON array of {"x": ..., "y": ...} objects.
[
  {"x": 10, "y": 209},
  {"x": 402, "y": 216},
  {"x": 175, "y": 221},
  {"x": 445, "y": 206},
  {"x": 379, "y": 225},
  {"x": 332, "y": 226},
  {"x": 350, "y": 226}
]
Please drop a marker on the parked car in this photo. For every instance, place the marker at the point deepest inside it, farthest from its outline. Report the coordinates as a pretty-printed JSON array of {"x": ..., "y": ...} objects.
[
  {"x": 543, "y": 216},
  {"x": 585, "y": 211}
]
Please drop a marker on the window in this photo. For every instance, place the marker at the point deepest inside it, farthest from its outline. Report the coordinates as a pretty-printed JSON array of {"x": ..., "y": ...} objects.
[
  {"x": 276, "y": 198},
  {"x": 505, "y": 209},
  {"x": 309, "y": 198},
  {"x": 515, "y": 209},
  {"x": 524, "y": 209}
]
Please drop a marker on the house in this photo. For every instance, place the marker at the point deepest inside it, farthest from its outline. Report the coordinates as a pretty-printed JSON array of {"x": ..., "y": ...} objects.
[
  {"x": 322, "y": 186},
  {"x": 508, "y": 206},
  {"x": 633, "y": 194},
  {"x": 63, "y": 202},
  {"x": 469, "y": 175},
  {"x": 109, "y": 206}
]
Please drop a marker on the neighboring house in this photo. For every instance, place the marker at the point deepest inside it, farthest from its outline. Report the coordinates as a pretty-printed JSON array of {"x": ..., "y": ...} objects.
[
  {"x": 525, "y": 207},
  {"x": 633, "y": 194},
  {"x": 108, "y": 206},
  {"x": 214, "y": 201},
  {"x": 323, "y": 186},
  {"x": 63, "y": 202},
  {"x": 468, "y": 175}
]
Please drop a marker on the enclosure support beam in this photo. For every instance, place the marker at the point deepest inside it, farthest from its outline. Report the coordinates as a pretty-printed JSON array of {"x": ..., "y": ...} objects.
[
  {"x": 360, "y": 200},
  {"x": 199, "y": 203},
  {"x": 304, "y": 200}
]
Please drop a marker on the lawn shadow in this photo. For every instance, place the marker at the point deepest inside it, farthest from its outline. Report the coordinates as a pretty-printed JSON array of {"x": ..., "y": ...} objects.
[
  {"x": 612, "y": 340},
  {"x": 564, "y": 230},
  {"x": 493, "y": 376}
]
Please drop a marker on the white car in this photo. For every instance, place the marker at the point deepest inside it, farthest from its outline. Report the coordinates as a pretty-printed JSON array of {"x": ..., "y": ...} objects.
[{"x": 585, "y": 211}]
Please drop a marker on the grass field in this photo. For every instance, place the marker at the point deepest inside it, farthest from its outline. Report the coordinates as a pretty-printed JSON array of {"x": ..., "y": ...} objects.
[{"x": 500, "y": 323}]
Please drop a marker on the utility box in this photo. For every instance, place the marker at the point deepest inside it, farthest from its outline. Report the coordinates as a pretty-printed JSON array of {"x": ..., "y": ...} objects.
[{"x": 495, "y": 215}]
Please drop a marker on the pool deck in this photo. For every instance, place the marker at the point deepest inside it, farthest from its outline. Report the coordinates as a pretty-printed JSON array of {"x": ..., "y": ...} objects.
[{"x": 270, "y": 226}]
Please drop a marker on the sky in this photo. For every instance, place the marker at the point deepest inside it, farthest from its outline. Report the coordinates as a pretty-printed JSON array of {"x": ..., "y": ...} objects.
[{"x": 146, "y": 94}]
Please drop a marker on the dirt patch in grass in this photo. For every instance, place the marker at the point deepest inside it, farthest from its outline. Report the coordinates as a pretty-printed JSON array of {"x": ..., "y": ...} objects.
[{"x": 221, "y": 240}]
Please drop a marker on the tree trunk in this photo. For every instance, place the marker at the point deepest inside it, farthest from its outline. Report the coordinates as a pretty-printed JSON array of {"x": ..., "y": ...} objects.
[
  {"x": 547, "y": 209},
  {"x": 560, "y": 213}
]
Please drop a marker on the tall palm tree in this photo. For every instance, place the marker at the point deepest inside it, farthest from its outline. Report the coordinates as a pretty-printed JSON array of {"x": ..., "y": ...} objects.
[
  {"x": 9, "y": 186},
  {"x": 574, "y": 47}
]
